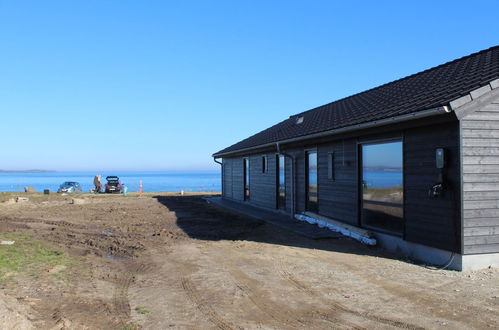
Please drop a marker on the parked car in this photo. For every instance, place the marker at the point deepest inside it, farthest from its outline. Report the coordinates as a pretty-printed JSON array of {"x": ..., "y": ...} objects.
[
  {"x": 113, "y": 184},
  {"x": 70, "y": 187}
]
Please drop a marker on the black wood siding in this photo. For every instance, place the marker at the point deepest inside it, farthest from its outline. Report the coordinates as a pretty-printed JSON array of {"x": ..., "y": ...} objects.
[
  {"x": 480, "y": 148},
  {"x": 338, "y": 198},
  {"x": 263, "y": 185},
  {"x": 430, "y": 221}
]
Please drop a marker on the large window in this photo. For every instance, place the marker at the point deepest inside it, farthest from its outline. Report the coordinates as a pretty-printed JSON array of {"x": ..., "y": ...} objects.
[
  {"x": 312, "y": 196},
  {"x": 281, "y": 182},
  {"x": 382, "y": 186}
]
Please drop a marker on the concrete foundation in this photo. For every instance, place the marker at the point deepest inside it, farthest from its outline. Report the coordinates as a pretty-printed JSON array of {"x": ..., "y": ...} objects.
[{"x": 437, "y": 257}]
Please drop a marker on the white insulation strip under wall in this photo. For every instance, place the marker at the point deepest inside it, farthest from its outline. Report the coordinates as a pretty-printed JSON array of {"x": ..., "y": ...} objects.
[{"x": 344, "y": 231}]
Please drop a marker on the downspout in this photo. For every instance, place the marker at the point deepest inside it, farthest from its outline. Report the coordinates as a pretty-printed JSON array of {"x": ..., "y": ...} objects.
[
  {"x": 221, "y": 174},
  {"x": 293, "y": 178}
]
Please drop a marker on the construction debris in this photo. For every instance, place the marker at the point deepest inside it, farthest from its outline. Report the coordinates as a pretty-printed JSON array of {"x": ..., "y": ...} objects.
[
  {"x": 78, "y": 201},
  {"x": 10, "y": 201},
  {"x": 359, "y": 234}
]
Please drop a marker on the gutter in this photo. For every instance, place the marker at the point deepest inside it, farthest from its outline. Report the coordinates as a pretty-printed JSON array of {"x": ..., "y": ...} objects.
[
  {"x": 221, "y": 174},
  {"x": 402, "y": 118}
]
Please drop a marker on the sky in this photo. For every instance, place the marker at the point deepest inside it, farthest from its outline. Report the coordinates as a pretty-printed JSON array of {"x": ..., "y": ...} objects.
[
  {"x": 162, "y": 85},
  {"x": 388, "y": 154}
]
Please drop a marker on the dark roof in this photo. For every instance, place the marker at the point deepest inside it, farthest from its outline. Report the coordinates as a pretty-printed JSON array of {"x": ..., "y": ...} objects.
[{"x": 425, "y": 90}]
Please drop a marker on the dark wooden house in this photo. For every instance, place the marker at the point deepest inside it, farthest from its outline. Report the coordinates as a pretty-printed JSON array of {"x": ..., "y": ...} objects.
[{"x": 415, "y": 161}]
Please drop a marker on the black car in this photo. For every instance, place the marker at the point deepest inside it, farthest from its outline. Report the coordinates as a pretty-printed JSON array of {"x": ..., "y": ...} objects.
[{"x": 113, "y": 184}]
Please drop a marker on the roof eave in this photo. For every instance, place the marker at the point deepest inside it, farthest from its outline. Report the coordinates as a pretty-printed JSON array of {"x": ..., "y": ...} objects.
[{"x": 371, "y": 124}]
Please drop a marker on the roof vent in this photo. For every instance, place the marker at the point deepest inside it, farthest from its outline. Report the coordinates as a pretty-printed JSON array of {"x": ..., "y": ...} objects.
[{"x": 299, "y": 120}]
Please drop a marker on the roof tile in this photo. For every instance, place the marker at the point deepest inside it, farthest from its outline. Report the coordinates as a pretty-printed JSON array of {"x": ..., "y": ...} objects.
[{"x": 428, "y": 89}]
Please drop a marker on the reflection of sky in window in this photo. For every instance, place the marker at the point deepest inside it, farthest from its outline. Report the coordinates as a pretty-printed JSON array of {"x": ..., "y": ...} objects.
[{"x": 383, "y": 155}]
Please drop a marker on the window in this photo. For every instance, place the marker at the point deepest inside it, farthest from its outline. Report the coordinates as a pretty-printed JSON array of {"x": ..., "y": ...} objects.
[
  {"x": 330, "y": 166},
  {"x": 311, "y": 176},
  {"x": 299, "y": 120},
  {"x": 264, "y": 164},
  {"x": 382, "y": 186},
  {"x": 246, "y": 179},
  {"x": 281, "y": 181}
]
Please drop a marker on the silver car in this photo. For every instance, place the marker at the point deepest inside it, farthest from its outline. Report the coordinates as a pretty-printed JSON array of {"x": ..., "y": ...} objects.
[{"x": 70, "y": 187}]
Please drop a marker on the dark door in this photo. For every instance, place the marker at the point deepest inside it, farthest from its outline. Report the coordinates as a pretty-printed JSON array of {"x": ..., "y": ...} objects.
[
  {"x": 246, "y": 179},
  {"x": 311, "y": 181},
  {"x": 281, "y": 182},
  {"x": 382, "y": 191}
]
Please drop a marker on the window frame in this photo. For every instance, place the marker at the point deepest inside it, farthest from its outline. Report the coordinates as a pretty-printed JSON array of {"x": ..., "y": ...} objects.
[
  {"x": 331, "y": 173},
  {"x": 311, "y": 206},
  {"x": 377, "y": 141}
]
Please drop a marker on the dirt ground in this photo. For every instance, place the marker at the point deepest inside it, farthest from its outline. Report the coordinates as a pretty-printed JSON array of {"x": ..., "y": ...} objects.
[{"x": 160, "y": 262}]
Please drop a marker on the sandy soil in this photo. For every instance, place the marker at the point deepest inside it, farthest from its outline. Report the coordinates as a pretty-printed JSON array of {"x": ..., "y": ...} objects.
[{"x": 178, "y": 262}]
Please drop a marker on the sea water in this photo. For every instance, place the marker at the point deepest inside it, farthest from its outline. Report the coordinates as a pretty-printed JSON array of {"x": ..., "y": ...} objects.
[
  {"x": 154, "y": 181},
  {"x": 151, "y": 181}
]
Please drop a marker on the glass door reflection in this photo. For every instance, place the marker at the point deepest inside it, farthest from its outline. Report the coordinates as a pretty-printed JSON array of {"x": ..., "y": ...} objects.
[
  {"x": 382, "y": 196},
  {"x": 281, "y": 182},
  {"x": 311, "y": 177}
]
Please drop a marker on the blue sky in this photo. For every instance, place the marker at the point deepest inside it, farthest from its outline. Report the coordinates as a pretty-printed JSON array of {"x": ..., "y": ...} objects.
[{"x": 161, "y": 85}]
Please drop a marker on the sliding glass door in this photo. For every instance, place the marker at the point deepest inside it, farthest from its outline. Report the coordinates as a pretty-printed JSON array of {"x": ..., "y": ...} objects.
[
  {"x": 281, "y": 182},
  {"x": 246, "y": 179},
  {"x": 382, "y": 197}
]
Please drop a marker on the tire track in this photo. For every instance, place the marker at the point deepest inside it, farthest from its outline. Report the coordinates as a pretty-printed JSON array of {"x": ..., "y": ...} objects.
[
  {"x": 279, "y": 315},
  {"x": 120, "y": 300},
  {"x": 206, "y": 309},
  {"x": 344, "y": 309}
]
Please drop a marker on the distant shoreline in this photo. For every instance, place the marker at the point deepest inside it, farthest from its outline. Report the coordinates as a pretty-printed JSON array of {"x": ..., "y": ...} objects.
[{"x": 26, "y": 171}]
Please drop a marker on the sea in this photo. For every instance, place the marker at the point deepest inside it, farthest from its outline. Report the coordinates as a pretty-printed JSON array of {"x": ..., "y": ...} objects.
[
  {"x": 382, "y": 179},
  {"x": 155, "y": 181},
  {"x": 151, "y": 181}
]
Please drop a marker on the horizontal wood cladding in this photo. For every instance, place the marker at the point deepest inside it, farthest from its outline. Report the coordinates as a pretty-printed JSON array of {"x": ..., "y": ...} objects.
[
  {"x": 480, "y": 248},
  {"x": 488, "y": 177},
  {"x": 237, "y": 179},
  {"x": 481, "y": 240},
  {"x": 480, "y": 160},
  {"x": 480, "y": 133},
  {"x": 480, "y": 124},
  {"x": 481, "y": 195},
  {"x": 480, "y": 150},
  {"x": 429, "y": 221},
  {"x": 227, "y": 178},
  {"x": 299, "y": 155},
  {"x": 481, "y": 169},
  {"x": 338, "y": 196},
  {"x": 263, "y": 184},
  {"x": 432, "y": 221},
  {"x": 288, "y": 183}
]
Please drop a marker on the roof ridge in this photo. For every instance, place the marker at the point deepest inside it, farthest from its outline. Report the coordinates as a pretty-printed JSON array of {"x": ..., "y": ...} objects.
[{"x": 400, "y": 79}]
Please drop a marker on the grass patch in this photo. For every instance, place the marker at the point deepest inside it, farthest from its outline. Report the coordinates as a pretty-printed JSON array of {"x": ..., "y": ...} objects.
[
  {"x": 28, "y": 257},
  {"x": 142, "y": 310},
  {"x": 130, "y": 326}
]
